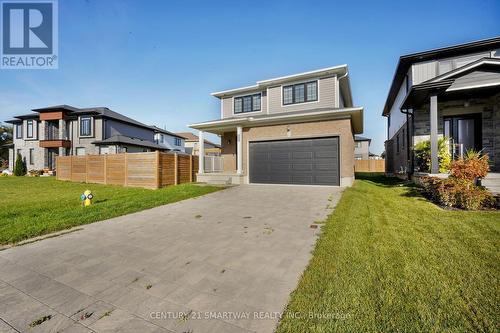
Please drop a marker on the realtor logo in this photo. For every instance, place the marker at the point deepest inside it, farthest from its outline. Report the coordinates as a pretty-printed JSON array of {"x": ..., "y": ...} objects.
[{"x": 29, "y": 34}]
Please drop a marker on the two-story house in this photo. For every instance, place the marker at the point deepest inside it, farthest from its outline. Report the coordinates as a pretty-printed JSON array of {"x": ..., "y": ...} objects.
[
  {"x": 169, "y": 140},
  {"x": 44, "y": 134},
  {"x": 296, "y": 129},
  {"x": 452, "y": 92},
  {"x": 361, "y": 147}
]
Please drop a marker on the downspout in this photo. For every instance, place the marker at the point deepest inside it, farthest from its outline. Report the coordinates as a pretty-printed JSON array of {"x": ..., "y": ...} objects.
[{"x": 338, "y": 80}]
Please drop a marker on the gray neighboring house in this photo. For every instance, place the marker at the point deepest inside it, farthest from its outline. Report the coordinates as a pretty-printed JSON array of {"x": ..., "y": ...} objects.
[
  {"x": 169, "y": 140},
  {"x": 452, "y": 91},
  {"x": 361, "y": 148},
  {"x": 63, "y": 130}
]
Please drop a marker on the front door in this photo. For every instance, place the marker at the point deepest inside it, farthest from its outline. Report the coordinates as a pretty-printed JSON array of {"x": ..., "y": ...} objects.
[{"x": 464, "y": 132}]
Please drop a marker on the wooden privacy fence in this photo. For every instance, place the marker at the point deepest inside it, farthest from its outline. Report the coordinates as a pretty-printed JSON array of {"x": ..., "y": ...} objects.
[
  {"x": 369, "y": 165},
  {"x": 148, "y": 170}
]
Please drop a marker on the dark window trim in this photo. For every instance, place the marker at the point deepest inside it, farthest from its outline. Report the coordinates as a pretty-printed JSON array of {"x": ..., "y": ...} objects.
[
  {"x": 28, "y": 123},
  {"x": 251, "y": 103},
  {"x": 293, "y": 93},
  {"x": 19, "y": 131},
  {"x": 90, "y": 125}
]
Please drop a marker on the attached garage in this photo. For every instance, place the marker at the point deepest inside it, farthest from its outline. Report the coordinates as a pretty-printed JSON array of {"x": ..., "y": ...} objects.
[{"x": 311, "y": 161}]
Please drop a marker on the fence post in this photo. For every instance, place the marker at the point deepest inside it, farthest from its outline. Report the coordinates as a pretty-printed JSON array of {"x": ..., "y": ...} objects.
[
  {"x": 190, "y": 168},
  {"x": 176, "y": 169},
  {"x": 158, "y": 170}
]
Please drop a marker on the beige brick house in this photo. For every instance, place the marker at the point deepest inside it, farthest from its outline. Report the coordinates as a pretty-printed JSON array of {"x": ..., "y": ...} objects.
[{"x": 296, "y": 129}]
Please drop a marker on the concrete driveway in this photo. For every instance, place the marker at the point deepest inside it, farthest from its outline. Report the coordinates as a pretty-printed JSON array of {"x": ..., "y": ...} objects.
[{"x": 224, "y": 262}]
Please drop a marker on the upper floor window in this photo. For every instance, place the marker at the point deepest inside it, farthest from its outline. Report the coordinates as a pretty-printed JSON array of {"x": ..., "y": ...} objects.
[
  {"x": 29, "y": 129},
  {"x": 357, "y": 144},
  {"x": 178, "y": 142},
  {"x": 19, "y": 131},
  {"x": 300, "y": 93},
  {"x": 85, "y": 126},
  {"x": 247, "y": 103}
]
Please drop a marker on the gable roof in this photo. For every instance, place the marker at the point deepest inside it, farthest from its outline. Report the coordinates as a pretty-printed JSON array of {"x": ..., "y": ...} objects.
[{"x": 405, "y": 61}]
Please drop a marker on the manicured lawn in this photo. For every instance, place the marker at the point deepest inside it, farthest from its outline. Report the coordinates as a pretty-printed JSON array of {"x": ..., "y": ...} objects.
[
  {"x": 388, "y": 260},
  {"x": 34, "y": 206}
]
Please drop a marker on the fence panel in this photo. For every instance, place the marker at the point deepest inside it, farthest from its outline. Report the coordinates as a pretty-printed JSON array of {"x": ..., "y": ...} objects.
[
  {"x": 115, "y": 169},
  {"x": 95, "y": 169},
  {"x": 142, "y": 170},
  {"x": 369, "y": 165},
  {"x": 148, "y": 170}
]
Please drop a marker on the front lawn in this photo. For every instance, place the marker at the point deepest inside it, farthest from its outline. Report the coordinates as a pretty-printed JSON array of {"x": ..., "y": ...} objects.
[
  {"x": 32, "y": 206},
  {"x": 389, "y": 260}
]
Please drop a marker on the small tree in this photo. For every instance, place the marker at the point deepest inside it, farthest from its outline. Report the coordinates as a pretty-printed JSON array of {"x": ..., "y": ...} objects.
[
  {"x": 19, "y": 167},
  {"x": 423, "y": 155}
]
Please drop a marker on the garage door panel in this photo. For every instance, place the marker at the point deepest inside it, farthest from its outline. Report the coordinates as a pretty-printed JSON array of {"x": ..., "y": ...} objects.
[{"x": 295, "y": 161}]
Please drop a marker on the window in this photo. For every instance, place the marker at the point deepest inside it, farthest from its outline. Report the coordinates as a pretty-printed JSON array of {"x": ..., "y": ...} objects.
[
  {"x": 29, "y": 129},
  {"x": 32, "y": 156},
  {"x": 300, "y": 93},
  {"x": 397, "y": 143},
  {"x": 357, "y": 144},
  {"x": 403, "y": 139},
  {"x": 162, "y": 138},
  {"x": 80, "y": 151},
  {"x": 85, "y": 126},
  {"x": 19, "y": 131},
  {"x": 178, "y": 142},
  {"x": 249, "y": 103}
]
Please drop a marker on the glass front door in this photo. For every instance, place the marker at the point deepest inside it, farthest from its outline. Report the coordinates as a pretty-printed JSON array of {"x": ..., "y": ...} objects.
[{"x": 464, "y": 133}]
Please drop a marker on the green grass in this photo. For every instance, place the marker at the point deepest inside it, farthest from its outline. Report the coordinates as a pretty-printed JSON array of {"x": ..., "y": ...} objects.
[
  {"x": 32, "y": 206},
  {"x": 388, "y": 260}
]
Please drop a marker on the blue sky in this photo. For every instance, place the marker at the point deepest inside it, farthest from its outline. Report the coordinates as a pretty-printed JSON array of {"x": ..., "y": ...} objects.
[{"x": 158, "y": 61}]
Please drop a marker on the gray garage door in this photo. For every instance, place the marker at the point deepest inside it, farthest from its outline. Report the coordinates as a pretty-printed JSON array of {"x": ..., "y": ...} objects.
[{"x": 301, "y": 161}]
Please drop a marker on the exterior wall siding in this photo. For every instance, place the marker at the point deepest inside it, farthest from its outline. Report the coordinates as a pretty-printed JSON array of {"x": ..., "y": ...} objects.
[
  {"x": 341, "y": 128},
  {"x": 113, "y": 127},
  {"x": 326, "y": 97},
  {"x": 228, "y": 102}
]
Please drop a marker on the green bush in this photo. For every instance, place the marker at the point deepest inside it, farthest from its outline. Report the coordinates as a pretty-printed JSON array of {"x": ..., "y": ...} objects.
[
  {"x": 422, "y": 152},
  {"x": 20, "y": 166}
]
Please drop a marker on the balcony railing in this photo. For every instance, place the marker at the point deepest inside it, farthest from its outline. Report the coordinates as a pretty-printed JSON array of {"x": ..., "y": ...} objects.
[
  {"x": 53, "y": 133},
  {"x": 214, "y": 163},
  {"x": 457, "y": 150}
]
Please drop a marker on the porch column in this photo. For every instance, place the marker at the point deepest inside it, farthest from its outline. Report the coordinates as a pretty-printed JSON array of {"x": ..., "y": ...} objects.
[
  {"x": 239, "y": 149},
  {"x": 201, "y": 152},
  {"x": 434, "y": 134}
]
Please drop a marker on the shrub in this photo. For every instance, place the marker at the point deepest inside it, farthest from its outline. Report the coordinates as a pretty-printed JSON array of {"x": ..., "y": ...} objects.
[
  {"x": 471, "y": 167},
  {"x": 20, "y": 166},
  {"x": 422, "y": 152},
  {"x": 459, "y": 193}
]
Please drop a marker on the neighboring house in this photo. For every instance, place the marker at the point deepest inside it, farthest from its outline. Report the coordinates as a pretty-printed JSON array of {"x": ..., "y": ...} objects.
[
  {"x": 192, "y": 144},
  {"x": 65, "y": 130},
  {"x": 452, "y": 91},
  {"x": 361, "y": 148},
  {"x": 169, "y": 140},
  {"x": 296, "y": 129}
]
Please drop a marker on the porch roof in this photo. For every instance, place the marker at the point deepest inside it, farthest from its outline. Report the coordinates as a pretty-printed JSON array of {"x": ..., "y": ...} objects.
[
  {"x": 225, "y": 125},
  {"x": 450, "y": 86}
]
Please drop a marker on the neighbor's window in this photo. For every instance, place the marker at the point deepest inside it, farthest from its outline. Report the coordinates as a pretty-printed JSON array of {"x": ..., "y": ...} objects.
[
  {"x": 397, "y": 143},
  {"x": 178, "y": 142},
  {"x": 248, "y": 103},
  {"x": 29, "y": 129},
  {"x": 19, "y": 131},
  {"x": 32, "y": 156},
  {"x": 85, "y": 126},
  {"x": 300, "y": 93},
  {"x": 80, "y": 151},
  {"x": 358, "y": 144}
]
